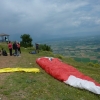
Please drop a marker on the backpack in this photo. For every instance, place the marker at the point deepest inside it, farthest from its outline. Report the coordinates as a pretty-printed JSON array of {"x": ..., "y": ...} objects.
[{"x": 4, "y": 53}]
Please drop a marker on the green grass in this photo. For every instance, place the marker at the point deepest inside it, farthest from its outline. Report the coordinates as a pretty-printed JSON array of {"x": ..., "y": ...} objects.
[{"x": 41, "y": 86}]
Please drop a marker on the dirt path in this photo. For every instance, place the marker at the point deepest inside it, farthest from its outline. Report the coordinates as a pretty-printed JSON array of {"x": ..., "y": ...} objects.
[
  {"x": 8, "y": 61},
  {"x": 5, "y": 62}
]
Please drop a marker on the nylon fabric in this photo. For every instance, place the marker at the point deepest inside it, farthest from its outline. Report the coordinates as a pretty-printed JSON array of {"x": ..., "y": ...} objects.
[
  {"x": 3, "y": 70},
  {"x": 62, "y": 71}
]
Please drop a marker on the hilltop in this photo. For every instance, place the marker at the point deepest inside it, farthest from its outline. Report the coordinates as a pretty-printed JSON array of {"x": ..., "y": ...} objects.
[{"x": 41, "y": 86}]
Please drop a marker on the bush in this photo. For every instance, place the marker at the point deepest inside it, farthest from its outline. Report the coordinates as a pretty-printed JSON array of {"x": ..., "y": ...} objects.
[
  {"x": 96, "y": 65},
  {"x": 91, "y": 64},
  {"x": 44, "y": 47}
]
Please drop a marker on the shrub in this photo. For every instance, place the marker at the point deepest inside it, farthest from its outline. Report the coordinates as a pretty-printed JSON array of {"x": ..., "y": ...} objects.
[
  {"x": 96, "y": 65},
  {"x": 91, "y": 64},
  {"x": 44, "y": 47}
]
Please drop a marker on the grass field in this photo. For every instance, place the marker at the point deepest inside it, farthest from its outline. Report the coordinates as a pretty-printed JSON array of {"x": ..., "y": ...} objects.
[{"x": 41, "y": 86}]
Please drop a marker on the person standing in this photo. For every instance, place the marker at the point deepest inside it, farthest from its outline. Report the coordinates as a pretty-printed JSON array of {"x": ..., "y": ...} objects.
[
  {"x": 10, "y": 48},
  {"x": 37, "y": 47},
  {"x": 15, "y": 48},
  {"x": 18, "y": 46},
  {"x": 7, "y": 40}
]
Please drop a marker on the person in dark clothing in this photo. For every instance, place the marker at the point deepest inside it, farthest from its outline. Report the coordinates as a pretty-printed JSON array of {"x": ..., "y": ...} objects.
[
  {"x": 37, "y": 47},
  {"x": 15, "y": 48},
  {"x": 5, "y": 38},
  {"x": 18, "y": 47}
]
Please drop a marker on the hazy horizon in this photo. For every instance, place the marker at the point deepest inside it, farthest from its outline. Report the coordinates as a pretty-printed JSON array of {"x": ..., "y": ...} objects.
[{"x": 45, "y": 20}]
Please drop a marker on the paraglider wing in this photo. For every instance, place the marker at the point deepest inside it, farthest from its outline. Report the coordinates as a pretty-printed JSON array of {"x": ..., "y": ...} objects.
[{"x": 68, "y": 74}]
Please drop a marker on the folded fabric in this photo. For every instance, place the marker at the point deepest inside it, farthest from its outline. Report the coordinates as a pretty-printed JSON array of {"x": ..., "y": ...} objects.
[
  {"x": 19, "y": 70},
  {"x": 68, "y": 74}
]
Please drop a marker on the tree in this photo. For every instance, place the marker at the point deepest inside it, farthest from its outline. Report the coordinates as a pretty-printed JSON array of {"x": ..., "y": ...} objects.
[{"x": 26, "y": 40}]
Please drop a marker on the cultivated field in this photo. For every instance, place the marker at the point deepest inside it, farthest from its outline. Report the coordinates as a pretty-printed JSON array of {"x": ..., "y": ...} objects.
[{"x": 79, "y": 48}]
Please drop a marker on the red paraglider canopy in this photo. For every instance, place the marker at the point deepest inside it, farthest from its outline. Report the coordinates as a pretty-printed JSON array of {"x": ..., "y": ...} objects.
[{"x": 68, "y": 74}]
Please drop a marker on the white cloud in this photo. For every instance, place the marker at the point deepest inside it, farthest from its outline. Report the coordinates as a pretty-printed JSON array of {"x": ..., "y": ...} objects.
[
  {"x": 97, "y": 21},
  {"x": 43, "y": 17}
]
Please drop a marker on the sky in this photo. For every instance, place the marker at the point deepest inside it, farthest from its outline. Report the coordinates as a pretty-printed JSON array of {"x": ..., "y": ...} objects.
[{"x": 47, "y": 19}]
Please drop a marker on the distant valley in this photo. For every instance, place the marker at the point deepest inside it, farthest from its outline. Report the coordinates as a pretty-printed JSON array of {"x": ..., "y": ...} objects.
[{"x": 85, "y": 49}]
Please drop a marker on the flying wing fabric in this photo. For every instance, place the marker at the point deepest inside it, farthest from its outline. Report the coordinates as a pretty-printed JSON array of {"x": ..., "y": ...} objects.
[{"x": 68, "y": 74}]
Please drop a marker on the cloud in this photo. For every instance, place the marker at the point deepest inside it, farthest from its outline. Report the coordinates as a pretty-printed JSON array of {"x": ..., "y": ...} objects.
[{"x": 41, "y": 18}]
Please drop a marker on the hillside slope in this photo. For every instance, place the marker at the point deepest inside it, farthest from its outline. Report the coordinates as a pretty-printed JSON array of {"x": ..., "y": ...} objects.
[{"x": 41, "y": 86}]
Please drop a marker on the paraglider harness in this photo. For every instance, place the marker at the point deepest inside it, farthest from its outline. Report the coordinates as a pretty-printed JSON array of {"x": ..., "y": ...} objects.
[{"x": 4, "y": 53}]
